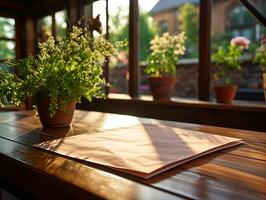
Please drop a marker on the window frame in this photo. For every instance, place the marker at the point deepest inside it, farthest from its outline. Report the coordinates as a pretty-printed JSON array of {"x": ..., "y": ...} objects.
[
  {"x": 204, "y": 46},
  {"x": 53, "y": 24},
  {"x": 241, "y": 27},
  {"x": 204, "y": 68}
]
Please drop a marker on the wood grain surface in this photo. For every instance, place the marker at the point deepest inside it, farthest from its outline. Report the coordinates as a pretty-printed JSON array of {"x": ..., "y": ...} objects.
[{"x": 234, "y": 173}]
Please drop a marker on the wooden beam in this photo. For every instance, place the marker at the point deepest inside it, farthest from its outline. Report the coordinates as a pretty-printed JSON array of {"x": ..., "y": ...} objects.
[
  {"x": 54, "y": 25},
  {"x": 253, "y": 10},
  {"x": 30, "y": 35},
  {"x": 21, "y": 46},
  {"x": 7, "y": 39},
  {"x": 43, "y": 8},
  {"x": 106, "y": 66},
  {"x": 12, "y": 7},
  {"x": 73, "y": 11},
  {"x": 205, "y": 50},
  {"x": 133, "y": 48}
]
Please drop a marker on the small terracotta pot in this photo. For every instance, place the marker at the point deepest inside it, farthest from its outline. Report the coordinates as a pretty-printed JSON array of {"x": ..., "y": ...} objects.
[
  {"x": 162, "y": 87},
  {"x": 60, "y": 119},
  {"x": 225, "y": 94}
]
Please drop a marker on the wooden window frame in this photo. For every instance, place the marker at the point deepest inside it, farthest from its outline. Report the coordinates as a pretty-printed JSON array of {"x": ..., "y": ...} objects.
[
  {"x": 134, "y": 72},
  {"x": 74, "y": 12},
  {"x": 243, "y": 115},
  {"x": 204, "y": 46},
  {"x": 240, "y": 27},
  {"x": 53, "y": 25}
]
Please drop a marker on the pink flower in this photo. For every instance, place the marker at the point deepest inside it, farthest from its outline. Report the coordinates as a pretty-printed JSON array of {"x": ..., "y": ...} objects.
[{"x": 240, "y": 41}]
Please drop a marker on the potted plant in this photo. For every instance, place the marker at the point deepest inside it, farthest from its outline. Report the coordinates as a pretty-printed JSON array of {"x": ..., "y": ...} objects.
[
  {"x": 226, "y": 62},
  {"x": 64, "y": 70},
  {"x": 161, "y": 63},
  {"x": 260, "y": 58}
]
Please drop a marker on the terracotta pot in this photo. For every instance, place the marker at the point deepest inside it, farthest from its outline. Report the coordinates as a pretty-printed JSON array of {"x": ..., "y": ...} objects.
[
  {"x": 225, "y": 94},
  {"x": 60, "y": 119},
  {"x": 162, "y": 87},
  {"x": 264, "y": 84}
]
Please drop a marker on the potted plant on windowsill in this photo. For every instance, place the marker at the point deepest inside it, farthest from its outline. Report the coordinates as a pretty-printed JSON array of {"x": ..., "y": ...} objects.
[
  {"x": 227, "y": 61},
  {"x": 57, "y": 77},
  {"x": 260, "y": 58},
  {"x": 161, "y": 63}
]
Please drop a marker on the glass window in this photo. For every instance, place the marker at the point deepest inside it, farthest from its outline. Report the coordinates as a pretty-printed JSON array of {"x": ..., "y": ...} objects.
[
  {"x": 118, "y": 65},
  {"x": 7, "y": 50},
  {"x": 95, "y": 16},
  {"x": 45, "y": 26},
  {"x": 7, "y": 38},
  {"x": 163, "y": 27},
  {"x": 99, "y": 9},
  {"x": 241, "y": 22},
  {"x": 158, "y": 17},
  {"x": 262, "y": 5},
  {"x": 231, "y": 19},
  {"x": 7, "y": 27},
  {"x": 61, "y": 24}
]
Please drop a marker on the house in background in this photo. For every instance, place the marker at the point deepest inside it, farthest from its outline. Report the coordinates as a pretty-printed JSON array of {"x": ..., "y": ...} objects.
[
  {"x": 229, "y": 19},
  {"x": 228, "y": 16},
  {"x": 165, "y": 14}
]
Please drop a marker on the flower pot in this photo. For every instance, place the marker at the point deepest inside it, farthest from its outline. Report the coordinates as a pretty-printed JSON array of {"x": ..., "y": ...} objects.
[
  {"x": 162, "y": 87},
  {"x": 225, "y": 94},
  {"x": 62, "y": 118}
]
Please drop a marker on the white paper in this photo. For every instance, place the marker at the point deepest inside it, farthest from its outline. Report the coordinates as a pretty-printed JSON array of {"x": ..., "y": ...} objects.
[{"x": 143, "y": 150}]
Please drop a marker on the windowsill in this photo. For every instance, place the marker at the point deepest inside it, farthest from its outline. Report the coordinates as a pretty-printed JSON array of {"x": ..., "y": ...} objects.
[
  {"x": 236, "y": 105},
  {"x": 239, "y": 114}
]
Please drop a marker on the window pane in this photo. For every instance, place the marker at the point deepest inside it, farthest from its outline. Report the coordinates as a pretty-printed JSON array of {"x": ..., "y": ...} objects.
[
  {"x": 5, "y": 67},
  {"x": 87, "y": 13},
  {"x": 44, "y": 28},
  {"x": 229, "y": 20},
  {"x": 61, "y": 25},
  {"x": 160, "y": 16},
  {"x": 99, "y": 8},
  {"x": 96, "y": 19},
  {"x": 7, "y": 50},
  {"x": 260, "y": 5},
  {"x": 118, "y": 23},
  {"x": 47, "y": 24},
  {"x": 7, "y": 27}
]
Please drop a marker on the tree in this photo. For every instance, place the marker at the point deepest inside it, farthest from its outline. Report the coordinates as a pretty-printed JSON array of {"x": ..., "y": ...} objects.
[
  {"x": 7, "y": 48},
  {"x": 147, "y": 32},
  {"x": 188, "y": 18}
]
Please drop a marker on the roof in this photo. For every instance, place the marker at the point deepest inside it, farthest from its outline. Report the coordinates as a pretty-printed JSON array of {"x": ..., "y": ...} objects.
[{"x": 164, "y": 5}]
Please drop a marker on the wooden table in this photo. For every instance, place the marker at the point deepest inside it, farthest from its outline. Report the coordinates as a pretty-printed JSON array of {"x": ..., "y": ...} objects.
[{"x": 235, "y": 173}]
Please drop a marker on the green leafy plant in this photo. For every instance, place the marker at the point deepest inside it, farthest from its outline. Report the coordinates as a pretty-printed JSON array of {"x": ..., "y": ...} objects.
[
  {"x": 188, "y": 21},
  {"x": 227, "y": 59},
  {"x": 260, "y": 56},
  {"x": 64, "y": 70},
  {"x": 165, "y": 52}
]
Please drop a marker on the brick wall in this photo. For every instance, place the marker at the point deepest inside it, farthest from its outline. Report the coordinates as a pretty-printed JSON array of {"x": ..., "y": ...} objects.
[{"x": 187, "y": 79}]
